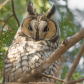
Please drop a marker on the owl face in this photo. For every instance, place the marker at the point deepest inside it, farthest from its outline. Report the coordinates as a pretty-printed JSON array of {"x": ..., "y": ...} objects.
[{"x": 39, "y": 27}]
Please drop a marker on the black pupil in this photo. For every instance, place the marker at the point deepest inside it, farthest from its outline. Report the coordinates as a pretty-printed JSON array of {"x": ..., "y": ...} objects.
[
  {"x": 46, "y": 29},
  {"x": 30, "y": 28}
]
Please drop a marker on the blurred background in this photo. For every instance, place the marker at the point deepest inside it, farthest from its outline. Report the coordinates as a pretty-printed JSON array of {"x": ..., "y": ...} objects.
[{"x": 70, "y": 16}]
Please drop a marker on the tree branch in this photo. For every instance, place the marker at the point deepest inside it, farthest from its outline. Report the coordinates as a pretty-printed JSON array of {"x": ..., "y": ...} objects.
[
  {"x": 14, "y": 13},
  {"x": 55, "y": 55},
  {"x": 6, "y": 21},
  {"x": 1, "y": 5},
  {"x": 81, "y": 51},
  {"x": 53, "y": 77},
  {"x": 76, "y": 81}
]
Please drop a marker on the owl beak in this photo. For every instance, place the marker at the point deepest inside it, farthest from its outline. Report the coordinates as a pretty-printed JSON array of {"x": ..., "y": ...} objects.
[{"x": 37, "y": 36}]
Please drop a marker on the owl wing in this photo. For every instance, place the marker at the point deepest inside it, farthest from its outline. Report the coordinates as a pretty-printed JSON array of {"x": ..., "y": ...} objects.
[{"x": 12, "y": 56}]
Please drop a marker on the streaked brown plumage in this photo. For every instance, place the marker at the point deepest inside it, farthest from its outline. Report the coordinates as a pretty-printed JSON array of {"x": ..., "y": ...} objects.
[{"x": 36, "y": 39}]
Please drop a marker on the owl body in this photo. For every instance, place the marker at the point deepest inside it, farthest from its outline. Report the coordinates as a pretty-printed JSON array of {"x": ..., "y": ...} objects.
[{"x": 36, "y": 39}]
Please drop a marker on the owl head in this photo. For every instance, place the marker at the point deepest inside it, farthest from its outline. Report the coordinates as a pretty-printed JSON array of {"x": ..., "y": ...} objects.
[{"x": 39, "y": 27}]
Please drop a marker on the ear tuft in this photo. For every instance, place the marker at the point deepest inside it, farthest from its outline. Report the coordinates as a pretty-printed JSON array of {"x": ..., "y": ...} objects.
[
  {"x": 50, "y": 12},
  {"x": 30, "y": 8}
]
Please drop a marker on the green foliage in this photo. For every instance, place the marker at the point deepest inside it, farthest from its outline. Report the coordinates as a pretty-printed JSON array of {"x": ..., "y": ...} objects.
[
  {"x": 68, "y": 28},
  {"x": 65, "y": 71},
  {"x": 77, "y": 75},
  {"x": 41, "y": 5}
]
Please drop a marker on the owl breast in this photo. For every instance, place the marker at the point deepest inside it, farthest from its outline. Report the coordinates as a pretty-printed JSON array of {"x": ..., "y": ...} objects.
[{"x": 27, "y": 55}]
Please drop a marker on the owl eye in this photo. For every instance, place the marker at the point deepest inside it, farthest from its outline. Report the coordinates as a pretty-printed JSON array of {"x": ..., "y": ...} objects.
[
  {"x": 30, "y": 28},
  {"x": 46, "y": 29}
]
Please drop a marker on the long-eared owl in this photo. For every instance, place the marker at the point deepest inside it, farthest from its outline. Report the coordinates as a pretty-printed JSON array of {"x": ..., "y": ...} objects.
[{"x": 36, "y": 39}]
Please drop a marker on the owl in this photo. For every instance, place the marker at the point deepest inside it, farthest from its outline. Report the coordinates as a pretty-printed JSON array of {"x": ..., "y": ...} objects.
[{"x": 36, "y": 39}]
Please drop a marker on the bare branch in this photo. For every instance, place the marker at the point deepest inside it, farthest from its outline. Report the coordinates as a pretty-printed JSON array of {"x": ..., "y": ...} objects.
[
  {"x": 7, "y": 20},
  {"x": 53, "y": 77},
  {"x": 1, "y": 5},
  {"x": 56, "y": 55},
  {"x": 81, "y": 51},
  {"x": 14, "y": 13},
  {"x": 5, "y": 23},
  {"x": 76, "y": 81}
]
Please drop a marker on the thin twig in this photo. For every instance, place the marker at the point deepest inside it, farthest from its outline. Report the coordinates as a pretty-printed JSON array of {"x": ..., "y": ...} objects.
[
  {"x": 76, "y": 61},
  {"x": 14, "y": 13},
  {"x": 5, "y": 23},
  {"x": 7, "y": 20},
  {"x": 1, "y": 5},
  {"x": 53, "y": 77}
]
